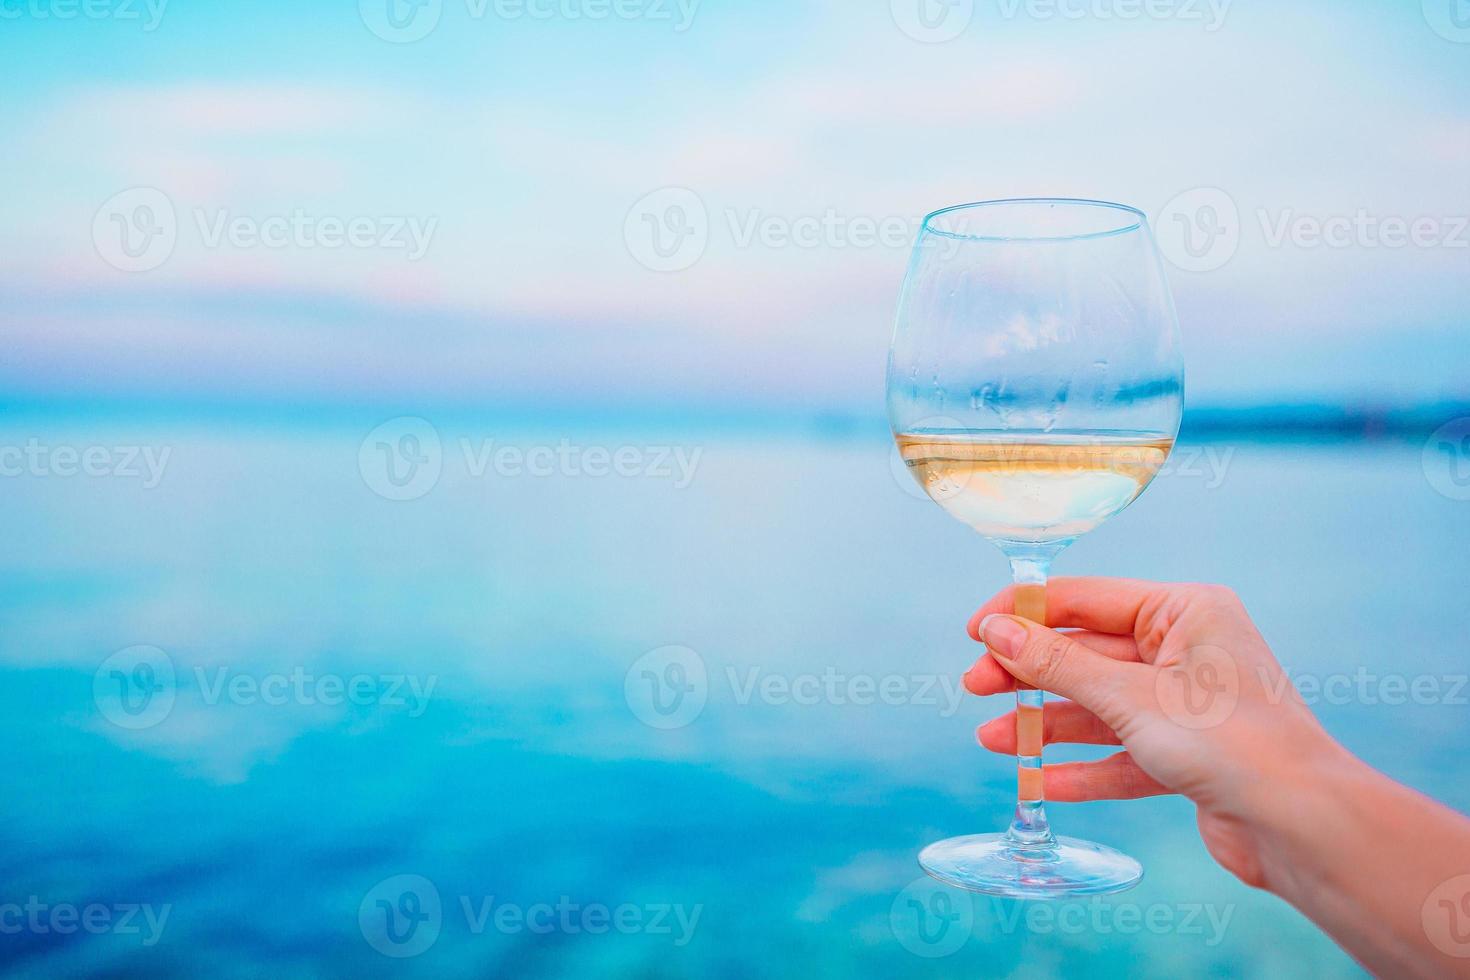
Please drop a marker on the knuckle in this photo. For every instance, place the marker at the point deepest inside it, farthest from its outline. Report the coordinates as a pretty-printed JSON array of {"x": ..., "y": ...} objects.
[
  {"x": 1129, "y": 776},
  {"x": 1221, "y": 595},
  {"x": 1048, "y": 653}
]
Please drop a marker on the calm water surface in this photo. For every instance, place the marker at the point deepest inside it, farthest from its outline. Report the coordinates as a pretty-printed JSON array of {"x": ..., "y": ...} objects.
[{"x": 576, "y": 725}]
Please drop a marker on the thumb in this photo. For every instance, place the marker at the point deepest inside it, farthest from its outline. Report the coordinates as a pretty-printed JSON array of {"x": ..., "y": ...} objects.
[{"x": 1111, "y": 689}]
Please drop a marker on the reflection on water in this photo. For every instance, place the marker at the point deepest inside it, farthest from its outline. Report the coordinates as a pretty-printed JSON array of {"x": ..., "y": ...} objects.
[{"x": 546, "y": 713}]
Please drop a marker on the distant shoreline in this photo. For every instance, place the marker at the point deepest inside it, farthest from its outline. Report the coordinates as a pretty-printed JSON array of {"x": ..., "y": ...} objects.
[
  {"x": 1268, "y": 422},
  {"x": 1265, "y": 423}
]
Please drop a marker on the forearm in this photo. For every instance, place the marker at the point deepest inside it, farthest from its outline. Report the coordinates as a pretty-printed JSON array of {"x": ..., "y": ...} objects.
[{"x": 1373, "y": 863}]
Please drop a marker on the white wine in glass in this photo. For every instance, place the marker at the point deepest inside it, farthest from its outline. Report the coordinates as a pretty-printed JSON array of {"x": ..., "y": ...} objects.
[
  {"x": 1039, "y": 488},
  {"x": 1035, "y": 388}
]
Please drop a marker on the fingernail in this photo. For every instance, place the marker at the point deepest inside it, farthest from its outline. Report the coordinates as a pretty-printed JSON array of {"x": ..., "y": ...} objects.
[{"x": 1003, "y": 635}]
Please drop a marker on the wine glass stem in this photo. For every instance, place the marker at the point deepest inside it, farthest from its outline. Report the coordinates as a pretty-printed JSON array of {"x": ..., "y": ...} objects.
[{"x": 1030, "y": 827}]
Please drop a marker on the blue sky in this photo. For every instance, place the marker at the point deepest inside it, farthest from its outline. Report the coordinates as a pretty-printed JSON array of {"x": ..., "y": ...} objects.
[{"x": 519, "y": 142}]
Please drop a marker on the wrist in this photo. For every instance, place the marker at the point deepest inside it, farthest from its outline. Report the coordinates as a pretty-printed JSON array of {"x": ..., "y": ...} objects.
[
  {"x": 1313, "y": 819},
  {"x": 1360, "y": 854}
]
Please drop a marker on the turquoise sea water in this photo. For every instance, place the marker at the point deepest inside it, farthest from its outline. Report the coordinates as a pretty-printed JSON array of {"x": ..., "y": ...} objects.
[{"x": 539, "y": 721}]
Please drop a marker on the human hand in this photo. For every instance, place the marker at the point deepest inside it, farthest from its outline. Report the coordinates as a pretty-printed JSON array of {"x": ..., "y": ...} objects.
[
  {"x": 1180, "y": 677},
  {"x": 1176, "y": 674}
]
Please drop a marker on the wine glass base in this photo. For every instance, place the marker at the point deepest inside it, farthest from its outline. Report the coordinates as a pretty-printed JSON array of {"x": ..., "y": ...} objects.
[{"x": 994, "y": 864}]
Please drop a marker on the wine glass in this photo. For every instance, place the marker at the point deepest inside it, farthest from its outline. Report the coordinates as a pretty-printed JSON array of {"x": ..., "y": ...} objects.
[{"x": 1035, "y": 388}]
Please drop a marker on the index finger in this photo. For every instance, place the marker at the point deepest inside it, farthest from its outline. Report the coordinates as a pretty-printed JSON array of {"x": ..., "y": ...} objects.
[{"x": 1105, "y": 605}]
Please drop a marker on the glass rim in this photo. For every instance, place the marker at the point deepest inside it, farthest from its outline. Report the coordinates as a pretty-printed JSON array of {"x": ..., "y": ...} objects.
[{"x": 1136, "y": 219}]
